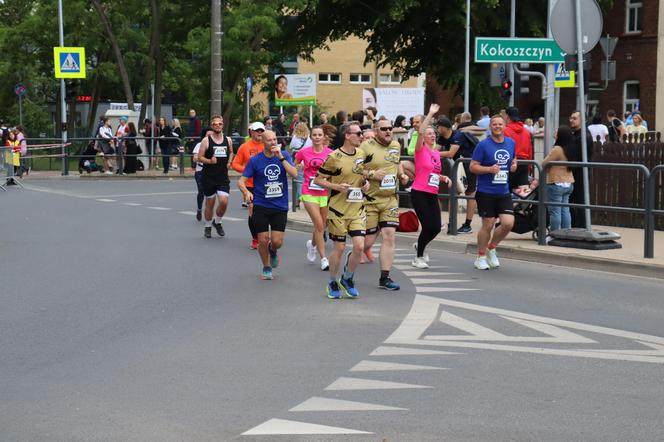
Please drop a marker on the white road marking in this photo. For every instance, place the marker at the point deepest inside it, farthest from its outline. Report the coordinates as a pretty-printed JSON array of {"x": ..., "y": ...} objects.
[
  {"x": 417, "y": 281},
  {"x": 424, "y": 313},
  {"x": 403, "y": 260},
  {"x": 405, "y": 351},
  {"x": 132, "y": 204},
  {"x": 282, "y": 426},
  {"x": 422, "y": 289},
  {"x": 326, "y": 404},
  {"x": 410, "y": 267},
  {"x": 105, "y": 200},
  {"x": 230, "y": 218},
  {"x": 159, "y": 208},
  {"x": 344, "y": 383},
  {"x": 140, "y": 194},
  {"x": 421, "y": 273},
  {"x": 391, "y": 366},
  {"x": 185, "y": 212}
]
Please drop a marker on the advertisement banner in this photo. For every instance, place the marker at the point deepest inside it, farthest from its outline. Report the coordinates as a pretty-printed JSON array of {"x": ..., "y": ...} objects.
[
  {"x": 295, "y": 90},
  {"x": 395, "y": 101}
]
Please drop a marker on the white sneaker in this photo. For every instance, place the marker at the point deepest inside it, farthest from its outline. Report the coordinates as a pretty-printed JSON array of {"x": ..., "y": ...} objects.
[
  {"x": 311, "y": 251},
  {"x": 419, "y": 263},
  {"x": 481, "y": 263},
  {"x": 324, "y": 264},
  {"x": 492, "y": 258},
  {"x": 424, "y": 256}
]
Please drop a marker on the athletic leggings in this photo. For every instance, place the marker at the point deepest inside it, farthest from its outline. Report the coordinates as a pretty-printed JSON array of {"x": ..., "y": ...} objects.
[
  {"x": 250, "y": 220},
  {"x": 428, "y": 212},
  {"x": 199, "y": 184}
]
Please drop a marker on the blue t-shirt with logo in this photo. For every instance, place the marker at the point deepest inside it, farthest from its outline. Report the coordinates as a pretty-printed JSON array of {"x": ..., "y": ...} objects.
[
  {"x": 487, "y": 153},
  {"x": 270, "y": 180}
]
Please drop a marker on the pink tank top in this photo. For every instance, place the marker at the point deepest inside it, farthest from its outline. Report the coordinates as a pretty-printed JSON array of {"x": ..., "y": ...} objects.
[{"x": 427, "y": 170}]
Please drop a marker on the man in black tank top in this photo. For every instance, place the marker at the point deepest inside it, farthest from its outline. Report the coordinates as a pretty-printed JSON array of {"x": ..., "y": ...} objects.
[{"x": 215, "y": 153}]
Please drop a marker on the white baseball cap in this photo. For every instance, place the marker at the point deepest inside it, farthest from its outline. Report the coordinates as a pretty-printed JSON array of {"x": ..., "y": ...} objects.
[{"x": 256, "y": 125}]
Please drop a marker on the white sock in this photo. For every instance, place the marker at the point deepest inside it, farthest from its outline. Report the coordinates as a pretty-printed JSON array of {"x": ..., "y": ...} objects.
[
  {"x": 217, "y": 219},
  {"x": 208, "y": 223}
]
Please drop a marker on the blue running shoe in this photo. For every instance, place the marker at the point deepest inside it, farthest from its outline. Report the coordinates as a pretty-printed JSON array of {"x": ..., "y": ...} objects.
[
  {"x": 349, "y": 287},
  {"x": 274, "y": 258},
  {"x": 388, "y": 284},
  {"x": 333, "y": 291},
  {"x": 266, "y": 275}
]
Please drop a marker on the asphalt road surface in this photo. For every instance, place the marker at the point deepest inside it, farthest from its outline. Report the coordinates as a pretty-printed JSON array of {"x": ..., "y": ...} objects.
[{"x": 120, "y": 322}]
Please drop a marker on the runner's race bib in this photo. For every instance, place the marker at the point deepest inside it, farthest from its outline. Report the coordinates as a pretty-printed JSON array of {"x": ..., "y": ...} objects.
[
  {"x": 354, "y": 195},
  {"x": 389, "y": 182},
  {"x": 434, "y": 180},
  {"x": 500, "y": 177},
  {"x": 314, "y": 186},
  {"x": 220, "y": 152},
  {"x": 273, "y": 190}
]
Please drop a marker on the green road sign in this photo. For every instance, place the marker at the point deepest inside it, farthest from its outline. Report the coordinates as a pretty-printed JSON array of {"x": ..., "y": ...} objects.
[{"x": 517, "y": 50}]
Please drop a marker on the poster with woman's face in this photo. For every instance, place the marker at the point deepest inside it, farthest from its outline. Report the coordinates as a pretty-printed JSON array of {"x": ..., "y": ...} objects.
[{"x": 294, "y": 89}]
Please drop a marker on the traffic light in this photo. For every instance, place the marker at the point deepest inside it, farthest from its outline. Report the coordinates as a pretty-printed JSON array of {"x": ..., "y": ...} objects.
[
  {"x": 70, "y": 90},
  {"x": 506, "y": 87}
]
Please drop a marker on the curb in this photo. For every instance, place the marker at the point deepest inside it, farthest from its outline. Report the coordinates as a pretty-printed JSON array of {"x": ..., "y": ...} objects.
[{"x": 538, "y": 256}]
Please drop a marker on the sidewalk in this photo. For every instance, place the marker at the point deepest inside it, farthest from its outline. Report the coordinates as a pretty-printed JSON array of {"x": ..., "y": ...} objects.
[{"x": 627, "y": 260}]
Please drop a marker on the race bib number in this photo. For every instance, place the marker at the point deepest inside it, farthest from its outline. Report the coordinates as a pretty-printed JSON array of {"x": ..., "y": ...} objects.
[
  {"x": 500, "y": 177},
  {"x": 355, "y": 195},
  {"x": 434, "y": 180},
  {"x": 220, "y": 152},
  {"x": 314, "y": 186},
  {"x": 389, "y": 182},
  {"x": 273, "y": 190}
]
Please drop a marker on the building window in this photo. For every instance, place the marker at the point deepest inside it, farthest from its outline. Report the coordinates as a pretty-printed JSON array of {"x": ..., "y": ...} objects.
[
  {"x": 329, "y": 78},
  {"x": 634, "y": 16},
  {"x": 360, "y": 78},
  {"x": 389, "y": 79},
  {"x": 631, "y": 94}
]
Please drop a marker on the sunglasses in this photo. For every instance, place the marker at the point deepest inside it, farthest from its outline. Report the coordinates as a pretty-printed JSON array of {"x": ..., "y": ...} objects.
[
  {"x": 358, "y": 133},
  {"x": 386, "y": 128}
]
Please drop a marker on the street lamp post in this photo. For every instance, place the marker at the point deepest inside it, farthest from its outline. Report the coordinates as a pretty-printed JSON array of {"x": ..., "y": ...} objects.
[
  {"x": 466, "y": 81},
  {"x": 63, "y": 106}
]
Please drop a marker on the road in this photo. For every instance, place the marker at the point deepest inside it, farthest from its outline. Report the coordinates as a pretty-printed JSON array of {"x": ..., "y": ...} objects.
[{"x": 121, "y": 322}]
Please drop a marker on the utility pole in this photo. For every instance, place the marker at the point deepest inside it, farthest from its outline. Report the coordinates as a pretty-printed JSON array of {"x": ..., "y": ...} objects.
[
  {"x": 216, "y": 92},
  {"x": 510, "y": 71},
  {"x": 63, "y": 105},
  {"x": 466, "y": 79}
]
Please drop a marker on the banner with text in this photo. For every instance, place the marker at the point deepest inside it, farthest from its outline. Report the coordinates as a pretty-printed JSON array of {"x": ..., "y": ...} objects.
[
  {"x": 392, "y": 102},
  {"x": 295, "y": 89}
]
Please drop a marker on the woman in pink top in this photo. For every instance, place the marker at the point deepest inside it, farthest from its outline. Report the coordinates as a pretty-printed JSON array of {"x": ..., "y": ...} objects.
[
  {"x": 424, "y": 193},
  {"x": 314, "y": 197}
]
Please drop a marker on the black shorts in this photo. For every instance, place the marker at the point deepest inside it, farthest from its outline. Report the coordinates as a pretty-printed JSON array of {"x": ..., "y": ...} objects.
[
  {"x": 471, "y": 179},
  {"x": 264, "y": 218},
  {"x": 107, "y": 148},
  {"x": 491, "y": 206},
  {"x": 212, "y": 188}
]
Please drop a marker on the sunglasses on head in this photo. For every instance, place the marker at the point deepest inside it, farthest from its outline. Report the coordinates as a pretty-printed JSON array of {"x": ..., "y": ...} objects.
[{"x": 386, "y": 128}]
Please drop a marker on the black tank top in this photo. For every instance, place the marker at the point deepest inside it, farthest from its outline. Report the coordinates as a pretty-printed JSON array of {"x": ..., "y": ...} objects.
[{"x": 217, "y": 172}]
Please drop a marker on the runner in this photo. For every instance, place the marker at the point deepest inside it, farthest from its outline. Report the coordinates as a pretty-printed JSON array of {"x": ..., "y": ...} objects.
[
  {"x": 381, "y": 169},
  {"x": 342, "y": 173},
  {"x": 244, "y": 153},
  {"x": 269, "y": 201},
  {"x": 424, "y": 193},
  {"x": 217, "y": 150},
  {"x": 492, "y": 162},
  {"x": 198, "y": 174},
  {"x": 315, "y": 197}
]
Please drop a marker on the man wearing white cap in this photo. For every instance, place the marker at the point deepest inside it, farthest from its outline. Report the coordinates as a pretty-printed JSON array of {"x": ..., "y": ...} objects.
[{"x": 247, "y": 150}]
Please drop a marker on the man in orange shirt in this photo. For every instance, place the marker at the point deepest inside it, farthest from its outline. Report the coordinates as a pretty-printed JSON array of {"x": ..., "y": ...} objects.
[{"x": 246, "y": 151}]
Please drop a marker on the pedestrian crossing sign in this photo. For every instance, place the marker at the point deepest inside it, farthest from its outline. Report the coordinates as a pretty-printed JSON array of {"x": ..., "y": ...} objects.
[
  {"x": 69, "y": 62},
  {"x": 564, "y": 78}
]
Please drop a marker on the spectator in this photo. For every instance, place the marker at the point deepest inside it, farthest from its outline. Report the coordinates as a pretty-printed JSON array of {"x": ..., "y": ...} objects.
[
  {"x": 296, "y": 119},
  {"x": 560, "y": 179},
  {"x": 457, "y": 121},
  {"x": 193, "y": 131},
  {"x": 13, "y": 154},
  {"x": 539, "y": 126},
  {"x": 597, "y": 129},
  {"x": 267, "y": 122},
  {"x": 120, "y": 133},
  {"x": 20, "y": 137},
  {"x": 528, "y": 124},
  {"x": 176, "y": 145},
  {"x": 165, "y": 132},
  {"x": 485, "y": 119},
  {"x": 106, "y": 143},
  {"x": 299, "y": 141},
  {"x": 368, "y": 134},
  {"x": 637, "y": 127},
  {"x": 577, "y": 196},
  {"x": 523, "y": 151},
  {"x": 616, "y": 128},
  {"x": 280, "y": 128},
  {"x": 131, "y": 149},
  {"x": 149, "y": 131},
  {"x": 399, "y": 125},
  {"x": 342, "y": 118},
  {"x": 323, "y": 118}
]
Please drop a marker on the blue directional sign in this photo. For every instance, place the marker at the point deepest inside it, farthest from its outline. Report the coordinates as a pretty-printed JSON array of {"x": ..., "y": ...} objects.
[{"x": 69, "y": 62}]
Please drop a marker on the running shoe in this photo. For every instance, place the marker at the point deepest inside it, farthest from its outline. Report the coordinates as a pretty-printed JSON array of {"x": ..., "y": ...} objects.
[
  {"x": 465, "y": 229},
  {"x": 220, "y": 228},
  {"x": 348, "y": 286},
  {"x": 311, "y": 251},
  {"x": 492, "y": 258},
  {"x": 199, "y": 215},
  {"x": 424, "y": 256},
  {"x": 254, "y": 244},
  {"x": 274, "y": 258},
  {"x": 332, "y": 290},
  {"x": 207, "y": 232},
  {"x": 266, "y": 275},
  {"x": 324, "y": 264},
  {"x": 346, "y": 260},
  {"x": 387, "y": 284},
  {"x": 419, "y": 263},
  {"x": 481, "y": 263}
]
